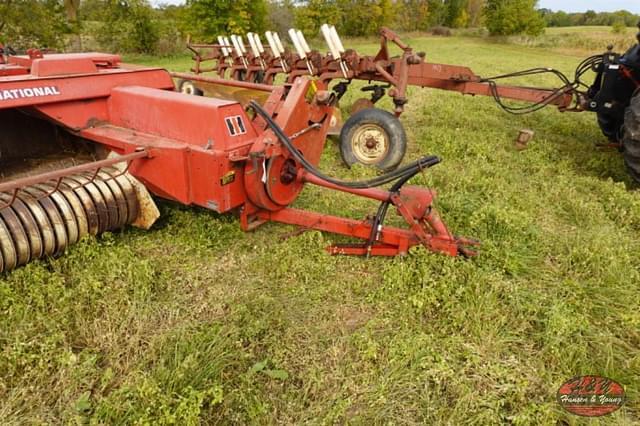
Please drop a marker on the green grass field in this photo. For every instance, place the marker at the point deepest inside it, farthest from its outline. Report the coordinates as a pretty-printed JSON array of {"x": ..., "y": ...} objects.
[
  {"x": 581, "y": 40},
  {"x": 196, "y": 322}
]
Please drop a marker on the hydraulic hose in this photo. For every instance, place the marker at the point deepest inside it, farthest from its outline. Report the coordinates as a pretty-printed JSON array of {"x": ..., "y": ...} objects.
[
  {"x": 567, "y": 85},
  {"x": 407, "y": 171},
  {"x": 400, "y": 176}
]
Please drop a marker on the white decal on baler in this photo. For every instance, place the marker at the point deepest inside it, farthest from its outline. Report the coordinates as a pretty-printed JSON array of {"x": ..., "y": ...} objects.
[{"x": 29, "y": 92}]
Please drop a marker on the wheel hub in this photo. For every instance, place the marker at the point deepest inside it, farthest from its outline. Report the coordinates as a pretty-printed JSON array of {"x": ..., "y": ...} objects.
[{"x": 370, "y": 144}]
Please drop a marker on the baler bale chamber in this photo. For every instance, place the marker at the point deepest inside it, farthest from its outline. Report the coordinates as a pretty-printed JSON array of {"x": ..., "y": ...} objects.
[
  {"x": 56, "y": 187},
  {"x": 85, "y": 136}
]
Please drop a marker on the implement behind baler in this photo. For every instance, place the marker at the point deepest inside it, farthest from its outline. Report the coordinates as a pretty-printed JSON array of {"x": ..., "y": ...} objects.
[
  {"x": 374, "y": 137},
  {"x": 66, "y": 113}
]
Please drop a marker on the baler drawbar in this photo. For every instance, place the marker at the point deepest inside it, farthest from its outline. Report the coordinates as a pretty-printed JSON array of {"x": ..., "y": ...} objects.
[{"x": 85, "y": 136}]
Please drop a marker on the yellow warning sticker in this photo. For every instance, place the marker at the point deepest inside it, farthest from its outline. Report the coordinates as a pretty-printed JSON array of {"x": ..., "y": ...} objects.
[
  {"x": 228, "y": 178},
  {"x": 311, "y": 91}
]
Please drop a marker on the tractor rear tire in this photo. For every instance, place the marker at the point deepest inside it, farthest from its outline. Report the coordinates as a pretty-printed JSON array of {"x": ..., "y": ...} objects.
[
  {"x": 631, "y": 140},
  {"x": 610, "y": 127},
  {"x": 374, "y": 138}
]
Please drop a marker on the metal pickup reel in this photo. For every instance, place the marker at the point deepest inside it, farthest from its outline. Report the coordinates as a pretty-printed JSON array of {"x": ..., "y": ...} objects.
[{"x": 41, "y": 216}]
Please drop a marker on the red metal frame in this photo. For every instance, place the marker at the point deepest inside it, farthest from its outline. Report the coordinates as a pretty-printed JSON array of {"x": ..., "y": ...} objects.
[
  {"x": 408, "y": 69},
  {"x": 209, "y": 152}
]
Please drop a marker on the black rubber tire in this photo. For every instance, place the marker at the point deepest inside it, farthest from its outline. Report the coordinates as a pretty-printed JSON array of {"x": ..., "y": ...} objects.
[
  {"x": 395, "y": 137},
  {"x": 610, "y": 127},
  {"x": 188, "y": 87},
  {"x": 631, "y": 139}
]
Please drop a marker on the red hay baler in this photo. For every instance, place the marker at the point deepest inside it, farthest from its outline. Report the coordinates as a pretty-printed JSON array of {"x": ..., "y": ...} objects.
[{"x": 84, "y": 136}]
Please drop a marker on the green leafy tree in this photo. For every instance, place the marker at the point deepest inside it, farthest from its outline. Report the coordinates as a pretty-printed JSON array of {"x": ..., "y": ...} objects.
[
  {"x": 589, "y": 17},
  {"x": 310, "y": 15},
  {"x": 509, "y": 17},
  {"x": 127, "y": 26},
  {"x": 281, "y": 15},
  {"x": 457, "y": 16},
  {"x": 438, "y": 12},
  {"x": 206, "y": 19},
  {"x": 378, "y": 13},
  {"x": 412, "y": 15},
  {"x": 33, "y": 23},
  {"x": 619, "y": 27}
]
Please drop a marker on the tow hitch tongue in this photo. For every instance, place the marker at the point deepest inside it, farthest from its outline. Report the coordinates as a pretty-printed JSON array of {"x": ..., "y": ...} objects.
[
  {"x": 413, "y": 204},
  {"x": 60, "y": 154}
]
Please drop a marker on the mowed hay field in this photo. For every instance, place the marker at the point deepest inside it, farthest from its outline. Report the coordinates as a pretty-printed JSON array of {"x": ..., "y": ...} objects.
[
  {"x": 585, "y": 40},
  {"x": 197, "y": 322}
]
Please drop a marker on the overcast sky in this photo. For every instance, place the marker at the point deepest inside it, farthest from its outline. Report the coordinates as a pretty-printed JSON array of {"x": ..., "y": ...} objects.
[
  {"x": 567, "y": 5},
  {"x": 597, "y": 5}
]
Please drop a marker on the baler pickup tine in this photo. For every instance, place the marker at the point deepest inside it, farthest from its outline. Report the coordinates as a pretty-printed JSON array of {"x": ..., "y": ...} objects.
[{"x": 12, "y": 200}]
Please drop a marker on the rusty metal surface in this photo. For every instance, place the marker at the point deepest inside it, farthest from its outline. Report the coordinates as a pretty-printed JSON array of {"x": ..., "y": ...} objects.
[
  {"x": 45, "y": 218},
  {"x": 43, "y": 224},
  {"x": 29, "y": 225},
  {"x": 231, "y": 83},
  {"x": 128, "y": 192},
  {"x": 110, "y": 203},
  {"x": 56, "y": 223},
  {"x": 399, "y": 72},
  {"x": 57, "y": 175},
  {"x": 90, "y": 210},
  {"x": 18, "y": 235},
  {"x": 118, "y": 196},
  {"x": 7, "y": 248},
  {"x": 65, "y": 210},
  {"x": 98, "y": 201},
  {"x": 78, "y": 210}
]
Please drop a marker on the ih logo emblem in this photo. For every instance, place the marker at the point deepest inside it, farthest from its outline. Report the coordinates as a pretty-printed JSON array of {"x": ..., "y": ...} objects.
[{"x": 235, "y": 125}]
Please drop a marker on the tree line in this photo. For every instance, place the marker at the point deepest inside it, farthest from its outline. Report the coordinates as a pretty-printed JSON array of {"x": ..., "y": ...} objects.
[
  {"x": 590, "y": 17},
  {"x": 136, "y": 26}
]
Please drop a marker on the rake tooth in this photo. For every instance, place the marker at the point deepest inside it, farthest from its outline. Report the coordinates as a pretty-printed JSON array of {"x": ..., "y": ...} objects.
[
  {"x": 66, "y": 212},
  {"x": 111, "y": 205},
  {"x": 121, "y": 202},
  {"x": 128, "y": 191},
  {"x": 43, "y": 223},
  {"x": 90, "y": 210},
  {"x": 78, "y": 210}
]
